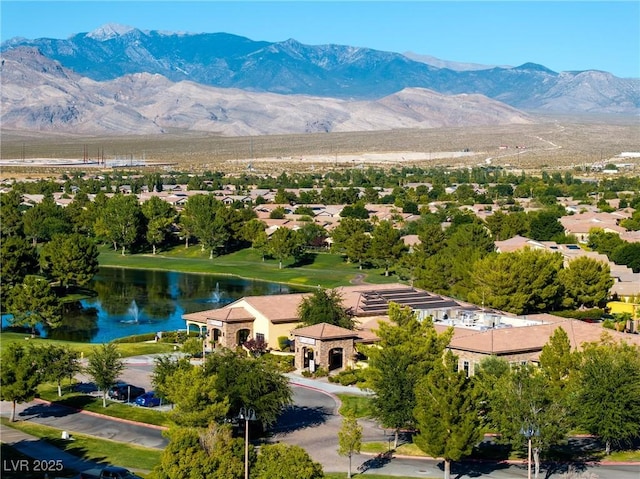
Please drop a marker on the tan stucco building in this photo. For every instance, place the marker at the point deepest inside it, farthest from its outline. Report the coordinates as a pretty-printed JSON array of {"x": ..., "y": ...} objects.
[{"x": 478, "y": 332}]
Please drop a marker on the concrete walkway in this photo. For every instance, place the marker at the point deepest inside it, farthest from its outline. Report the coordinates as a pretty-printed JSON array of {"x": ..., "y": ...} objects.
[
  {"x": 37, "y": 448},
  {"x": 323, "y": 384}
]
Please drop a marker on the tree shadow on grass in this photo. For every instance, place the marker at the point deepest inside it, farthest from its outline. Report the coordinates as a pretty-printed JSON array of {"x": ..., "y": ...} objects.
[
  {"x": 69, "y": 466},
  {"x": 63, "y": 407},
  {"x": 300, "y": 417},
  {"x": 493, "y": 451},
  {"x": 305, "y": 260}
]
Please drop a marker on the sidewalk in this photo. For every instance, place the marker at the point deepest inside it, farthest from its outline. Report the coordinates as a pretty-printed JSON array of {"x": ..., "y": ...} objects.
[
  {"x": 323, "y": 384},
  {"x": 42, "y": 451}
]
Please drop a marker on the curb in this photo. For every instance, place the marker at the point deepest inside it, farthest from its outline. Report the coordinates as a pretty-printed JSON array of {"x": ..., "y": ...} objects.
[
  {"x": 313, "y": 388},
  {"x": 96, "y": 414},
  {"x": 512, "y": 461}
]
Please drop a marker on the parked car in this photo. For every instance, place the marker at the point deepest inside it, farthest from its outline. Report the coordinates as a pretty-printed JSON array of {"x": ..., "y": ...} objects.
[
  {"x": 148, "y": 399},
  {"x": 115, "y": 472},
  {"x": 125, "y": 392}
]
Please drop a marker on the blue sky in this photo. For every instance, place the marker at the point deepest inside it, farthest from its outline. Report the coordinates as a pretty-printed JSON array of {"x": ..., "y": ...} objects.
[{"x": 564, "y": 35}]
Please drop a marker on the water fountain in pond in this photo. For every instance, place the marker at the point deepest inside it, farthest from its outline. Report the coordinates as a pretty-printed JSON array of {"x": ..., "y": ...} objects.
[
  {"x": 215, "y": 296},
  {"x": 133, "y": 313}
]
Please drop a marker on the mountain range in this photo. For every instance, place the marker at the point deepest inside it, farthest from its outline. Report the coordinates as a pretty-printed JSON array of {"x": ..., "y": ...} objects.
[
  {"x": 39, "y": 94},
  {"x": 118, "y": 78}
]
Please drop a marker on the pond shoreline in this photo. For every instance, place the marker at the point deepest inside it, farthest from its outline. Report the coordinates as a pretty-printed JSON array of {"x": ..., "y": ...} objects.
[
  {"x": 227, "y": 275},
  {"x": 323, "y": 269},
  {"x": 133, "y": 301}
]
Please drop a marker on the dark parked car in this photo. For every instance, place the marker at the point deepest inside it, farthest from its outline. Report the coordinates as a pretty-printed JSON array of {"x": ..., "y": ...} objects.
[
  {"x": 125, "y": 392},
  {"x": 115, "y": 472},
  {"x": 148, "y": 399}
]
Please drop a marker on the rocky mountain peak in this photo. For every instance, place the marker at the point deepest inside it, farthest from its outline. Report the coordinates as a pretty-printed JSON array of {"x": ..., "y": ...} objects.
[
  {"x": 331, "y": 71},
  {"x": 109, "y": 31}
]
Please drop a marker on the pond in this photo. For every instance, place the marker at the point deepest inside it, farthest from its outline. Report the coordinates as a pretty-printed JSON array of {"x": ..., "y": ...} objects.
[{"x": 132, "y": 301}]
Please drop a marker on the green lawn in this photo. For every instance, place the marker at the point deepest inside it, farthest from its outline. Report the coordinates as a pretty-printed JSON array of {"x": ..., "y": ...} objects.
[
  {"x": 324, "y": 269},
  {"x": 93, "y": 448},
  {"x": 126, "y": 349},
  {"x": 117, "y": 409},
  {"x": 623, "y": 456},
  {"x": 408, "y": 449},
  {"x": 358, "y": 406}
]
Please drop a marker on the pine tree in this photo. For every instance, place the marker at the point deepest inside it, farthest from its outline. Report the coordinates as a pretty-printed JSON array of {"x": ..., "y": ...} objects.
[
  {"x": 447, "y": 413},
  {"x": 408, "y": 349}
]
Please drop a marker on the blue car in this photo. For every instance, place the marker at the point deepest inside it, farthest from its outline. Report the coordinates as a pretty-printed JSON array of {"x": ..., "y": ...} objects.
[{"x": 148, "y": 399}]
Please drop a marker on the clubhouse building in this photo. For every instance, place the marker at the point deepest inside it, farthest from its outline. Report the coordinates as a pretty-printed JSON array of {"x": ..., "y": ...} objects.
[{"x": 478, "y": 332}]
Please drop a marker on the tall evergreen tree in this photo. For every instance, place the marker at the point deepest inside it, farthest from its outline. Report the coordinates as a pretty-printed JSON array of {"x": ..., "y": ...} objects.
[
  {"x": 12, "y": 223},
  {"x": 44, "y": 220},
  {"x": 606, "y": 391},
  {"x": 521, "y": 282},
  {"x": 284, "y": 243},
  {"x": 120, "y": 221},
  {"x": 432, "y": 238},
  {"x": 544, "y": 225},
  {"x": 407, "y": 350},
  {"x": 324, "y": 306},
  {"x": 386, "y": 245},
  {"x": 32, "y": 302},
  {"x": 160, "y": 216},
  {"x": 18, "y": 258},
  {"x": 346, "y": 229},
  {"x": 586, "y": 282},
  {"x": 557, "y": 362},
  {"x": 71, "y": 260},
  {"x": 19, "y": 375},
  {"x": 447, "y": 414}
]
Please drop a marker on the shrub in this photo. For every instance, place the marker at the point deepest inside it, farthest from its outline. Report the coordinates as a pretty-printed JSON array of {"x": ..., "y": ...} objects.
[
  {"x": 348, "y": 377},
  {"x": 139, "y": 338},
  {"x": 256, "y": 347},
  {"x": 284, "y": 343},
  {"x": 594, "y": 313},
  {"x": 284, "y": 364},
  {"x": 177, "y": 336},
  {"x": 192, "y": 347},
  {"x": 321, "y": 373}
]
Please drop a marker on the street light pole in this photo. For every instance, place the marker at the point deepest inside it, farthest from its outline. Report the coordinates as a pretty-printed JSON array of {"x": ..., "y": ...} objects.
[
  {"x": 529, "y": 461},
  {"x": 246, "y": 414},
  {"x": 528, "y": 432}
]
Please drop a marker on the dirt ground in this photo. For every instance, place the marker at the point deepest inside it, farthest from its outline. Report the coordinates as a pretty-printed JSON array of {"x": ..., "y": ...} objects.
[{"x": 552, "y": 144}]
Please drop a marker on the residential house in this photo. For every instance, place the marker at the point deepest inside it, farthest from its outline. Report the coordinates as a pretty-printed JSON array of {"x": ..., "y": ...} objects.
[{"x": 579, "y": 225}]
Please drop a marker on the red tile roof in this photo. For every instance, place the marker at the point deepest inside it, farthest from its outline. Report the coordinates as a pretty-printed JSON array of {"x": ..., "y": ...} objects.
[
  {"x": 532, "y": 338},
  {"x": 324, "y": 331},
  {"x": 228, "y": 314}
]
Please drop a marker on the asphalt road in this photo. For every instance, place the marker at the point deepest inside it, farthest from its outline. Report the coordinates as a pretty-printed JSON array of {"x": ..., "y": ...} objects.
[
  {"x": 312, "y": 423},
  {"x": 70, "y": 420}
]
